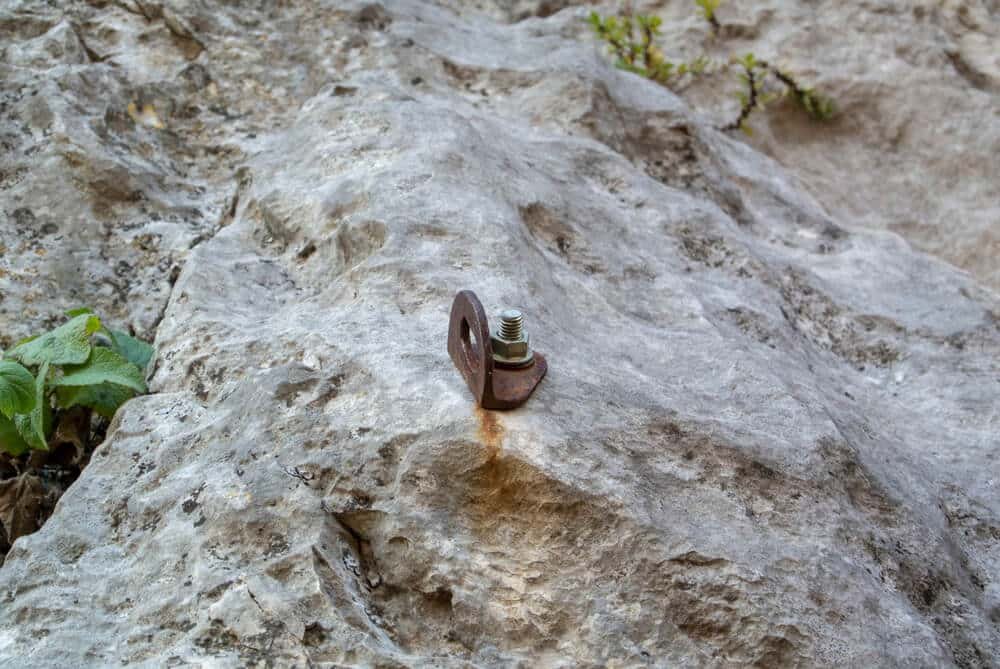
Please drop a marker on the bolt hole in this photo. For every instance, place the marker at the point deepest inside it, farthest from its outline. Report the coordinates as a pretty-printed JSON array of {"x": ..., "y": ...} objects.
[{"x": 470, "y": 345}]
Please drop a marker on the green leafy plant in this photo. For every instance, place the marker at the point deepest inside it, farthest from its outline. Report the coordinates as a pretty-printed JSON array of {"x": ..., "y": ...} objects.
[
  {"x": 708, "y": 8},
  {"x": 755, "y": 75},
  {"x": 751, "y": 97},
  {"x": 631, "y": 38},
  {"x": 81, "y": 363},
  {"x": 815, "y": 104}
]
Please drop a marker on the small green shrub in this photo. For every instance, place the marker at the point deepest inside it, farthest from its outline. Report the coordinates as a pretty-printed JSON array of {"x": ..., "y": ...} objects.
[
  {"x": 78, "y": 364},
  {"x": 708, "y": 8},
  {"x": 631, "y": 40},
  {"x": 755, "y": 75}
]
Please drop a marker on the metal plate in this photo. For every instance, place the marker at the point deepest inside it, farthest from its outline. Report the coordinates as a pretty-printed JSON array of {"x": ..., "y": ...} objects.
[{"x": 470, "y": 348}]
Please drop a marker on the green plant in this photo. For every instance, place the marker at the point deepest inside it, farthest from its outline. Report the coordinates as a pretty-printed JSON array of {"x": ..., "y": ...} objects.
[
  {"x": 631, "y": 40},
  {"x": 78, "y": 364},
  {"x": 815, "y": 104},
  {"x": 755, "y": 74},
  {"x": 752, "y": 98},
  {"x": 708, "y": 8}
]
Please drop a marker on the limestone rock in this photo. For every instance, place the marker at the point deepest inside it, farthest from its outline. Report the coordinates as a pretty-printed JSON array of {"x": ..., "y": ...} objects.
[
  {"x": 916, "y": 146},
  {"x": 769, "y": 430}
]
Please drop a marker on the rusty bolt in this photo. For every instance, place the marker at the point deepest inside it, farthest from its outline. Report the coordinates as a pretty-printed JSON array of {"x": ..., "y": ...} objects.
[{"x": 510, "y": 341}]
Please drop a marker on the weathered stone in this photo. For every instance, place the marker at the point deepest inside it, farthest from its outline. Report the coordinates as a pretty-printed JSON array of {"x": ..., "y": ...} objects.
[
  {"x": 767, "y": 435},
  {"x": 915, "y": 148}
]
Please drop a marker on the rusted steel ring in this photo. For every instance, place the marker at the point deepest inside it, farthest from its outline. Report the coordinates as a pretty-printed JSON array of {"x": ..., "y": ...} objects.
[{"x": 469, "y": 342}]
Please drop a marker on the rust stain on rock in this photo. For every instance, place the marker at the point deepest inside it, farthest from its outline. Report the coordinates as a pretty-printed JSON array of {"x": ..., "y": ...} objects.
[
  {"x": 490, "y": 432},
  {"x": 492, "y": 486}
]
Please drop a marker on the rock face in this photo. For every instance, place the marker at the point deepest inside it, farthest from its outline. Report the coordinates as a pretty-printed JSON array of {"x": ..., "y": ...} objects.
[
  {"x": 768, "y": 434},
  {"x": 917, "y": 142}
]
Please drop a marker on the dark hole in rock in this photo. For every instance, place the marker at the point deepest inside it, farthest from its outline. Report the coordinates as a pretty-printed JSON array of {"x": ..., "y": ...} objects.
[
  {"x": 32, "y": 483},
  {"x": 439, "y": 600}
]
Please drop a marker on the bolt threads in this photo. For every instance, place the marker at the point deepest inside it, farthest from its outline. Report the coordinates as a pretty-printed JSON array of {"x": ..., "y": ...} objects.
[{"x": 511, "y": 325}]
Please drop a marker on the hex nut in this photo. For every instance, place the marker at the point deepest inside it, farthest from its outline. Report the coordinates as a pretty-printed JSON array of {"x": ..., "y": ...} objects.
[{"x": 511, "y": 352}]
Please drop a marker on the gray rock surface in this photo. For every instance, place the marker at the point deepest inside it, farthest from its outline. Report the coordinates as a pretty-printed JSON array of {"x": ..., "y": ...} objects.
[
  {"x": 916, "y": 146},
  {"x": 769, "y": 430}
]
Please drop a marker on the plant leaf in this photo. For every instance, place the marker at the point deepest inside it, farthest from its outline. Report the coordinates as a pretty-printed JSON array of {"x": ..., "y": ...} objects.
[
  {"x": 17, "y": 389},
  {"x": 132, "y": 349},
  {"x": 73, "y": 313},
  {"x": 20, "y": 342},
  {"x": 104, "y": 398},
  {"x": 10, "y": 439},
  {"x": 68, "y": 344},
  {"x": 103, "y": 366},
  {"x": 34, "y": 426}
]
